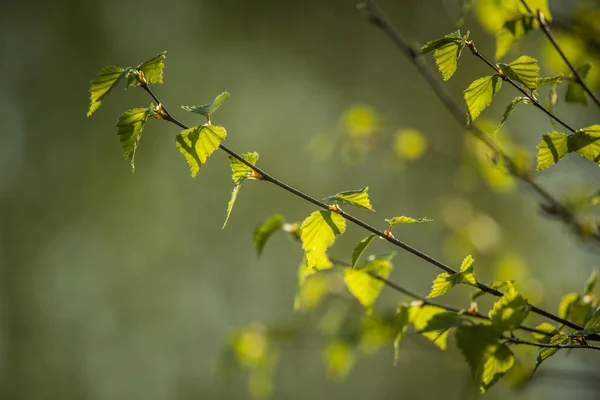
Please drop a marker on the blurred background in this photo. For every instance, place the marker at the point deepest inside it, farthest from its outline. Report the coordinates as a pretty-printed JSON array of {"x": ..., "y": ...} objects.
[{"x": 116, "y": 285}]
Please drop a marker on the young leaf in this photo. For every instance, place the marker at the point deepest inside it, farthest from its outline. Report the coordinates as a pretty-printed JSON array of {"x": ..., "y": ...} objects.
[
  {"x": 509, "y": 109},
  {"x": 511, "y": 32},
  {"x": 198, "y": 143},
  {"x": 240, "y": 172},
  {"x": 575, "y": 308},
  {"x": 406, "y": 220},
  {"x": 500, "y": 285},
  {"x": 358, "y": 198},
  {"x": 432, "y": 45},
  {"x": 309, "y": 294},
  {"x": 545, "y": 327},
  {"x": 488, "y": 359},
  {"x": 152, "y": 71},
  {"x": 523, "y": 70},
  {"x": 208, "y": 109},
  {"x": 264, "y": 231},
  {"x": 551, "y": 148},
  {"x": 550, "y": 80},
  {"x": 480, "y": 93},
  {"x": 590, "y": 285},
  {"x": 361, "y": 283},
  {"x": 446, "y": 58},
  {"x": 102, "y": 84},
  {"x": 361, "y": 247},
  {"x": 318, "y": 233},
  {"x": 586, "y": 143},
  {"x": 575, "y": 92},
  {"x": 441, "y": 322},
  {"x": 550, "y": 351},
  {"x": 510, "y": 311},
  {"x": 445, "y": 281},
  {"x": 130, "y": 125},
  {"x": 420, "y": 316},
  {"x": 464, "y": 10},
  {"x": 592, "y": 326},
  {"x": 535, "y": 5},
  {"x": 400, "y": 325}
]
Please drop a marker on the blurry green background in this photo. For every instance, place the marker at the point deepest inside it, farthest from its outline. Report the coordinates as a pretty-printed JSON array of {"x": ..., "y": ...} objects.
[{"x": 123, "y": 286}]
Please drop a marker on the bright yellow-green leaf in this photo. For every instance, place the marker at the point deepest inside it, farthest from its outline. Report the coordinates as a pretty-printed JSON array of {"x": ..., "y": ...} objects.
[
  {"x": 318, "y": 233},
  {"x": 420, "y": 316},
  {"x": 535, "y": 5},
  {"x": 436, "y": 44},
  {"x": 446, "y": 52},
  {"x": 360, "y": 121},
  {"x": 549, "y": 80},
  {"x": 310, "y": 292},
  {"x": 545, "y": 327},
  {"x": 509, "y": 109},
  {"x": 445, "y": 281},
  {"x": 240, "y": 172},
  {"x": 575, "y": 308},
  {"x": 575, "y": 92},
  {"x": 550, "y": 351},
  {"x": 492, "y": 14},
  {"x": 362, "y": 285},
  {"x": 565, "y": 304},
  {"x": 130, "y": 127},
  {"x": 264, "y": 231},
  {"x": 511, "y": 32},
  {"x": 339, "y": 358},
  {"x": 251, "y": 345},
  {"x": 524, "y": 70},
  {"x": 152, "y": 71},
  {"x": 410, "y": 144},
  {"x": 509, "y": 311},
  {"x": 406, "y": 220},
  {"x": 361, "y": 247},
  {"x": 500, "y": 285},
  {"x": 480, "y": 93},
  {"x": 488, "y": 359},
  {"x": 551, "y": 148},
  {"x": 586, "y": 143},
  {"x": 592, "y": 327},
  {"x": 208, "y": 109},
  {"x": 400, "y": 325},
  {"x": 198, "y": 143},
  {"x": 358, "y": 198},
  {"x": 102, "y": 84}
]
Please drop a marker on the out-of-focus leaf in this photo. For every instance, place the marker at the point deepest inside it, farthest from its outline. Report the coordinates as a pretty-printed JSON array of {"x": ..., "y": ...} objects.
[
  {"x": 363, "y": 286},
  {"x": 512, "y": 32},
  {"x": 264, "y": 231}
]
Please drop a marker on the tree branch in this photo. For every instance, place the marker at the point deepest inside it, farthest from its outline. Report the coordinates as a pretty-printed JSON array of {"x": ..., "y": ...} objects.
[{"x": 515, "y": 340}]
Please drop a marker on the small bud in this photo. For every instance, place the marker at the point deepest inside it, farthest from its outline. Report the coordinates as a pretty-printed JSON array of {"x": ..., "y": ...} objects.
[{"x": 335, "y": 208}]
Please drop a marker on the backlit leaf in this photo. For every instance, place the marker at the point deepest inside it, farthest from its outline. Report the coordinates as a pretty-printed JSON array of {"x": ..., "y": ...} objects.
[
  {"x": 480, "y": 93},
  {"x": 130, "y": 125},
  {"x": 446, "y": 52},
  {"x": 445, "y": 281},
  {"x": 524, "y": 70},
  {"x": 586, "y": 143},
  {"x": 420, "y": 317},
  {"x": 198, "y": 143},
  {"x": 406, "y": 220},
  {"x": 551, "y": 148},
  {"x": 509, "y": 109},
  {"x": 208, "y": 109},
  {"x": 400, "y": 325},
  {"x": 358, "y": 198},
  {"x": 550, "y": 80},
  {"x": 362, "y": 285},
  {"x": 509, "y": 311},
  {"x": 318, "y": 233},
  {"x": 432, "y": 45},
  {"x": 590, "y": 285},
  {"x": 488, "y": 359},
  {"x": 512, "y": 32},
  {"x": 361, "y": 247},
  {"x": 592, "y": 327},
  {"x": 152, "y": 69},
  {"x": 339, "y": 358},
  {"x": 575, "y": 92},
  {"x": 550, "y": 351},
  {"x": 264, "y": 231},
  {"x": 107, "y": 79},
  {"x": 240, "y": 172},
  {"x": 545, "y": 327}
]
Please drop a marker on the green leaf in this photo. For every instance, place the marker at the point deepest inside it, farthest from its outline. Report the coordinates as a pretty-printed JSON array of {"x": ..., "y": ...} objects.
[
  {"x": 318, "y": 233},
  {"x": 523, "y": 70},
  {"x": 445, "y": 281},
  {"x": 550, "y": 80},
  {"x": 509, "y": 109},
  {"x": 586, "y": 143},
  {"x": 590, "y": 285},
  {"x": 420, "y": 316},
  {"x": 511, "y": 32},
  {"x": 510, "y": 311},
  {"x": 102, "y": 84},
  {"x": 446, "y": 58},
  {"x": 432, "y": 45},
  {"x": 551, "y": 148},
  {"x": 442, "y": 321},
  {"x": 198, "y": 143},
  {"x": 309, "y": 294},
  {"x": 592, "y": 326},
  {"x": 358, "y": 198},
  {"x": 361, "y": 247},
  {"x": 545, "y": 327},
  {"x": 575, "y": 92},
  {"x": 361, "y": 283},
  {"x": 535, "y": 5},
  {"x": 565, "y": 304},
  {"x": 263, "y": 232},
  {"x": 480, "y": 93},
  {"x": 488, "y": 359},
  {"x": 130, "y": 125},
  {"x": 339, "y": 358},
  {"x": 500, "y": 285},
  {"x": 575, "y": 308},
  {"x": 464, "y": 10},
  {"x": 208, "y": 109},
  {"x": 406, "y": 220},
  {"x": 152, "y": 71},
  {"x": 550, "y": 351},
  {"x": 400, "y": 325},
  {"x": 240, "y": 172}
]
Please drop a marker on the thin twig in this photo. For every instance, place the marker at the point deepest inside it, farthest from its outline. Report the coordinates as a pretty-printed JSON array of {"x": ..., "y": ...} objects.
[
  {"x": 382, "y": 234},
  {"x": 515, "y": 340},
  {"x": 546, "y": 29}
]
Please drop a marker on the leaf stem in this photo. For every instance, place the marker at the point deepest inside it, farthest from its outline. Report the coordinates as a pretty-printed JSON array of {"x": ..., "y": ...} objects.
[{"x": 546, "y": 29}]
